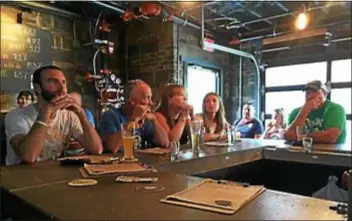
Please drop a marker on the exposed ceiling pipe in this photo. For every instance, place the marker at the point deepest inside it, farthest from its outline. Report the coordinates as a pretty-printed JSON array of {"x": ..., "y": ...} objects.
[
  {"x": 235, "y": 52},
  {"x": 281, "y": 6},
  {"x": 121, "y": 11},
  {"x": 341, "y": 39},
  {"x": 198, "y": 6},
  {"x": 174, "y": 18},
  {"x": 254, "y": 13},
  {"x": 299, "y": 46},
  {"x": 45, "y": 8},
  {"x": 281, "y": 33},
  {"x": 286, "y": 14},
  {"x": 182, "y": 21}
]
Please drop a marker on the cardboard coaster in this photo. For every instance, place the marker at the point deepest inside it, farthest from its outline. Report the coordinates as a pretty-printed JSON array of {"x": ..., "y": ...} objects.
[
  {"x": 150, "y": 188},
  {"x": 83, "y": 182}
]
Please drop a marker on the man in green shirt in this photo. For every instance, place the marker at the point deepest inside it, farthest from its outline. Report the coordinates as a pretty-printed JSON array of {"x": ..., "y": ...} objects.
[{"x": 321, "y": 119}]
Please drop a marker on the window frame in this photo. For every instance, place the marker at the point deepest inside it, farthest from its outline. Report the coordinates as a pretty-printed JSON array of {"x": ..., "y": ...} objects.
[
  {"x": 194, "y": 62},
  {"x": 205, "y": 66},
  {"x": 283, "y": 88}
]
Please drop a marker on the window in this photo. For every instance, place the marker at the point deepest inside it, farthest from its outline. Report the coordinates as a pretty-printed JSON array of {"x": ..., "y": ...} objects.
[
  {"x": 340, "y": 75},
  {"x": 200, "y": 81},
  {"x": 288, "y": 100},
  {"x": 341, "y": 70},
  {"x": 295, "y": 74},
  {"x": 342, "y": 96},
  {"x": 348, "y": 131}
]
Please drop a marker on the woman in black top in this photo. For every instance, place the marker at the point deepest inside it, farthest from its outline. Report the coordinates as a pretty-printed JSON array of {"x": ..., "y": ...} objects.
[{"x": 174, "y": 113}]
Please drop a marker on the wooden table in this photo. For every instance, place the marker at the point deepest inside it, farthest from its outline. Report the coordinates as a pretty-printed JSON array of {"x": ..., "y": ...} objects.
[{"x": 41, "y": 190}]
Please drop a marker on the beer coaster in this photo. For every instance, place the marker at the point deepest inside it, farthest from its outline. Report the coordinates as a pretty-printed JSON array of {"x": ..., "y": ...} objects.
[
  {"x": 83, "y": 182},
  {"x": 223, "y": 202},
  {"x": 150, "y": 188}
]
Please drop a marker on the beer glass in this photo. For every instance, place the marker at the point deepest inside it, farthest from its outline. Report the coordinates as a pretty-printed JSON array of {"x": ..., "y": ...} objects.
[
  {"x": 130, "y": 140},
  {"x": 196, "y": 129}
]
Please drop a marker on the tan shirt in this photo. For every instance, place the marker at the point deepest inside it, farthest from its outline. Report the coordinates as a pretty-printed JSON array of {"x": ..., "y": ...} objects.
[{"x": 64, "y": 126}]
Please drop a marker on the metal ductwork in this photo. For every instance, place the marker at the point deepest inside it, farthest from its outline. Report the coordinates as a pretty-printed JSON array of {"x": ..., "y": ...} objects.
[{"x": 235, "y": 52}]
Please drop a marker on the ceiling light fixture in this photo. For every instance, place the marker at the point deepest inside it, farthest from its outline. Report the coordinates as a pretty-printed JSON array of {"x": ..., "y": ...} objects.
[{"x": 302, "y": 19}]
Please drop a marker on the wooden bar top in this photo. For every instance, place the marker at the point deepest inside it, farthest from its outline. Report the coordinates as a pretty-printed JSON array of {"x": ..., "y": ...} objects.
[
  {"x": 109, "y": 200},
  {"x": 44, "y": 187}
]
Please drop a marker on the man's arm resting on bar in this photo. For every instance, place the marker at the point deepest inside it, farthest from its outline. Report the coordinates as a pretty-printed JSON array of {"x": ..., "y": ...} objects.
[
  {"x": 328, "y": 136},
  {"x": 90, "y": 138}
]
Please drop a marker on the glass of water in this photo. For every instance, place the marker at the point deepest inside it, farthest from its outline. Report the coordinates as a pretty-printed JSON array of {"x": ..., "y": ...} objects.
[
  {"x": 174, "y": 149},
  {"x": 307, "y": 144}
]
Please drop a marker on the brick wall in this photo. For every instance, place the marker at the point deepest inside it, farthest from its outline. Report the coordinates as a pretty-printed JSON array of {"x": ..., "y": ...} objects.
[
  {"x": 156, "y": 50},
  {"x": 189, "y": 46},
  {"x": 150, "y": 47}
]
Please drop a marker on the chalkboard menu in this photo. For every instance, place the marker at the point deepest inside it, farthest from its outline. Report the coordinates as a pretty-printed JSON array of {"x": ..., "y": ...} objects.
[{"x": 23, "y": 50}]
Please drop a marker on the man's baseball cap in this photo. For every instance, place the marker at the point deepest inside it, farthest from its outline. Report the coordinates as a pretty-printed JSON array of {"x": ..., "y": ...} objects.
[{"x": 316, "y": 85}]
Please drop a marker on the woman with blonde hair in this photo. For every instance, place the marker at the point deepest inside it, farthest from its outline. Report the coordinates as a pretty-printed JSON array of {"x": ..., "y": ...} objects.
[
  {"x": 276, "y": 126},
  {"x": 174, "y": 113},
  {"x": 213, "y": 117}
]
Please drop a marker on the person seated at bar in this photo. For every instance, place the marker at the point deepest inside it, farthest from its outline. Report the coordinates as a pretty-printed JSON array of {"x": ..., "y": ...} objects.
[
  {"x": 322, "y": 119},
  {"x": 213, "y": 117},
  {"x": 41, "y": 130},
  {"x": 88, "y": 113},
  {"x": 24, "y": 98},
  {"x": 276, "y": 127},
  {"x": 249, "y": 126},
  {"x": 137, "y": 107},
  {"x": 174, "y": 112}
]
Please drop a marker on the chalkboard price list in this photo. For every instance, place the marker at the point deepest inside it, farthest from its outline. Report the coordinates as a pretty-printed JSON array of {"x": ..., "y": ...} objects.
[{"x": 23, "y": 50}]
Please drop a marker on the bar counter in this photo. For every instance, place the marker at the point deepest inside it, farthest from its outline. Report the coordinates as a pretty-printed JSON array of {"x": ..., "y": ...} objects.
[{"x": 40, "y": 191}]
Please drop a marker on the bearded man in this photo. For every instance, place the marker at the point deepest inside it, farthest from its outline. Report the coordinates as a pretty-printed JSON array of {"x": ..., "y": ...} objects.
[{"x": 42, "y": 130}]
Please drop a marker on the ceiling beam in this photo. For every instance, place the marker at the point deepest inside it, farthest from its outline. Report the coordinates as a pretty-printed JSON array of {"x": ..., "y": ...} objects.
[{"x": 295, "y": 36}]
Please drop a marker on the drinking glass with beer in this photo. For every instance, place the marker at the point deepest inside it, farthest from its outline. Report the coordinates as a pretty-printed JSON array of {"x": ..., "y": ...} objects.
[
  {"x": 130, "y": 140},
  {"x": 196, "y": 129}
]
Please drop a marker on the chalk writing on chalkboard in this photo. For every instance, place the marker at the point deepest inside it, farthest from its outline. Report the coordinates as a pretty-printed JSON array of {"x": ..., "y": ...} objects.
[{"x": 23, "y": 50}]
